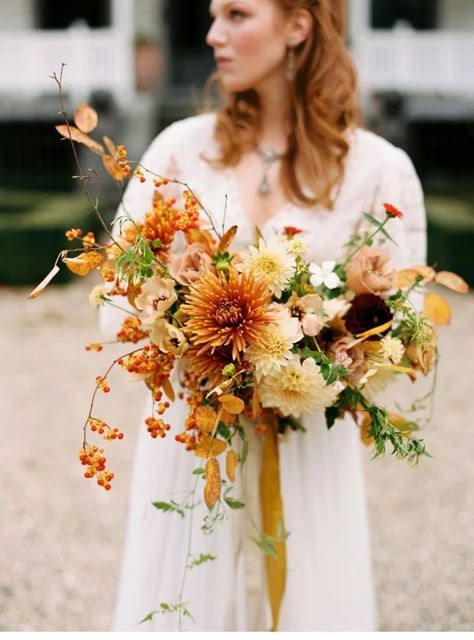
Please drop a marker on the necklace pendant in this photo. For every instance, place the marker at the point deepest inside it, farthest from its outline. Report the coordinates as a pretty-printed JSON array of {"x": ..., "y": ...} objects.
[{"x": 264, "y": 186}]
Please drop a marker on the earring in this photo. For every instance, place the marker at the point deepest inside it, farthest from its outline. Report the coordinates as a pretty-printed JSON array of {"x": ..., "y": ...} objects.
[{"x": 290, "y": 62}]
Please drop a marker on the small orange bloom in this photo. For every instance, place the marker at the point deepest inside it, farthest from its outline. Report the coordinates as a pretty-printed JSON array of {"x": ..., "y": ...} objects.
[{"x": 392, "y": 211}]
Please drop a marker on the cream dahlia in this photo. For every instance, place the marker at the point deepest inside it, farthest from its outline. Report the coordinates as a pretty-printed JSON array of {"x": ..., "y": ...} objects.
[
  {"x": 271, "y": 260},
  {"x": 297, "y": 388},
  {"x": 274, "y": 350}
]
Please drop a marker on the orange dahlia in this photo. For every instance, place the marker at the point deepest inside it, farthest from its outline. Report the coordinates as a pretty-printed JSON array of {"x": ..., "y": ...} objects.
[{"x": 228, "y": 311}]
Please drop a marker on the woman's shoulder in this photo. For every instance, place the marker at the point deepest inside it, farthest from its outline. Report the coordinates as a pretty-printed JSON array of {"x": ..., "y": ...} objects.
[{"x": 373, "y": 150}]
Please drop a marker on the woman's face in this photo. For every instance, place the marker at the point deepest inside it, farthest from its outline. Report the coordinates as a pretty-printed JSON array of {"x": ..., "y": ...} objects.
[{"x": 250, "y": 39}]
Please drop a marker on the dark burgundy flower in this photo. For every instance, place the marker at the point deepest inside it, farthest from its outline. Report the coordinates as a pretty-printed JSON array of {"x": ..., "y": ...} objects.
[{"x": 367, "y": 311}]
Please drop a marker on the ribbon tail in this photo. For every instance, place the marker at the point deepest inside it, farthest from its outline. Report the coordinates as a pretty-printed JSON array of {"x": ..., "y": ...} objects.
[{"x": 272, "y": 518}]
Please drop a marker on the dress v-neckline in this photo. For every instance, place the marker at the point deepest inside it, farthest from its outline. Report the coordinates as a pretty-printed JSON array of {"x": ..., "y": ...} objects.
[{"x": 240, "y": 212}]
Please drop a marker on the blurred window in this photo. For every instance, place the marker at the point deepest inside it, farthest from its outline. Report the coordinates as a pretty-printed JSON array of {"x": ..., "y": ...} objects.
[
  {"x": 419, "y": 14},
  {"x": 54, "y": 15}
]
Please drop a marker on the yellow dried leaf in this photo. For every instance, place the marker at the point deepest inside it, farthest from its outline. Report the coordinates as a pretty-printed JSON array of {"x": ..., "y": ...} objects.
[
  {"x": 112, "y": 168},
  {"x": 232, "y": 404},
  {"x": 205, "y": 418},
  {"x": 212, "y": 490},
  {"x": 210, "y": 447},
  {"x": 168, "y": 389},
  {"x": 112, "y": 149},
  {"x": 437, "y": 309},
  {"x": 227, "y": 418},
  {"x": 44, "y": 283},
  {"x": 405, "y": 278},
  {"x": 79, "y": 136},
  {"x": 84, "y": 263},
  {"x": 86, "y": 118},
  {"x": 227, "y": 238},
  {"x": 231, "y": 461},
  {"x": 452, "y": 281}
]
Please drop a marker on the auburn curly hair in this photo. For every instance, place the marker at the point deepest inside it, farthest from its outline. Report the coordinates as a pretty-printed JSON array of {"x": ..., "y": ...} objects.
[{"x": 323, "y": 95}]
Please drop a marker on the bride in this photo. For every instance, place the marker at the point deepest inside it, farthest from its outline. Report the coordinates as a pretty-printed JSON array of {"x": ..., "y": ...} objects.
[{"x": 284, "y": 149}]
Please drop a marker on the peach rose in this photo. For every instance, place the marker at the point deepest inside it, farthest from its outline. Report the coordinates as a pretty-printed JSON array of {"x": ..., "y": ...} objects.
[
  {"x": 370, "y": 271},
  {"x": 192, "y": 265}
]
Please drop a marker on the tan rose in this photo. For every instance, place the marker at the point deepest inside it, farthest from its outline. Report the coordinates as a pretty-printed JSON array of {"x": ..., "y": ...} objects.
[
  {"x": 168, "y": 338},
  {"x": 370, "y": 271},
  {"x": 422, "y": 356},
  {"x": 192, "y": 265},
  {"x": 352, "y": 358}
]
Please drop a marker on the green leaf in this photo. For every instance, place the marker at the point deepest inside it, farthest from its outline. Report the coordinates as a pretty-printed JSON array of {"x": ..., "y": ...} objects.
[
  {"x": 244, "y": 452},
  {"x": 200, "y": 471},
  {"x": 201, "y": 559},
  {"x": 331, "y": 414},
  {"x": 234, "y": 504},
  {"x": 224, "y": 431},
  {"x": 309, "y": 353},
  {"x": 373, "y": 221},
  {"x": 169, "y": 507}
]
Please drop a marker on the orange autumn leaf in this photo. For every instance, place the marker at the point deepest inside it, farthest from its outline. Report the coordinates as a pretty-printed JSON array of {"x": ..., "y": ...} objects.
[
  {"x": 111, "y": 148},
  {"x": 227, "y": 238},
  {"x": 79, "y": 136},
  {"x": 84, "y": 263},
  {"x": 212, "y": 490},
  {"x": 44, "y": 283},
  {"x": 205, "y": 418},
  {"x": 168, "y": 389},
  {"x": 437, "y": 309},
  {"x": 231, "y": 462},
  {"x": 232, "y": 404},
  {"x": 210, "y": 447},
  {"x": 452, "y": 281},
  {"x": 86, "y": 118},
  {"x": 112, "y": 168}
]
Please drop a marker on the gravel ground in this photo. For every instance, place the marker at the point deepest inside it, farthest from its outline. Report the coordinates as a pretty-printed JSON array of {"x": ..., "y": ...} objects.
[{"x": 61, "y": 537}]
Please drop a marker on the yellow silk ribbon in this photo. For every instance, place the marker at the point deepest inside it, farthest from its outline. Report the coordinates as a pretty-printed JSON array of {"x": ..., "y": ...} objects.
[{"x": 272, "y": 517}]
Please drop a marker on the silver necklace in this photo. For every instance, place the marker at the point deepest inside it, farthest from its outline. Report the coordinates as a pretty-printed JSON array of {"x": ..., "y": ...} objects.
[{"x": 268, "y": 157}]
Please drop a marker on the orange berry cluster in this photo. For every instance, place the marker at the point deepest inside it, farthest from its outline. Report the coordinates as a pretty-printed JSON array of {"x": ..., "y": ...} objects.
[
  {"x": 72, "y": 234},
  {"x": 138, "y": 173},
  {"x": 93, "y": 458},
  {"x": 160, "y": 182},
  {"x": 88, "y": 240},
  {"x": 122, "y": 161},
  {"x": 102, "y": 384},
  {"x": 157, "y": 427},
  {"x": 94, "y": 346},
  {"x": 189, "y": 218},
  {"x": 153, "y": 364},
  {"x": 103, "y": 429},
  {"x": 188, "y": 439},
  {"x": 191, "y": 435},
  {"x": 131, "y": 330}
]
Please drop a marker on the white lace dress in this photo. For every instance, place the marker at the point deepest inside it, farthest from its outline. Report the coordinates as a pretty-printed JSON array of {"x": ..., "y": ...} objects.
[{"x": 329, "y": 577}]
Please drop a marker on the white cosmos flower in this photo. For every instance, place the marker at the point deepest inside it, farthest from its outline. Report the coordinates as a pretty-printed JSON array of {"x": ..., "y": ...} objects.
[
  {"x": 271, "y": 260},
  {"x": 324, "y": 274},
  {"x": 278, "y": 339},
  {"x": 298, "y": 388}
]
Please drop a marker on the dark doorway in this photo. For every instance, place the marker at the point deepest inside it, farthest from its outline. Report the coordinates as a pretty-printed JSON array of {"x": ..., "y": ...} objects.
[
  {"x": 51, "y": 15},
  {"x": 190, "y": 58},
  {"x": 420, "y": 14}
]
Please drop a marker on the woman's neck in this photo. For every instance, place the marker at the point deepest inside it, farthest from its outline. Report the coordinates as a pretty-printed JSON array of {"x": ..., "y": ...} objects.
[{"x": 274, "y": 105}]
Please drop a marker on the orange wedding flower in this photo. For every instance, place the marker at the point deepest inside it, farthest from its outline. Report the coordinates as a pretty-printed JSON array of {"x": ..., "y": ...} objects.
[{"x": 228, "y": 311}]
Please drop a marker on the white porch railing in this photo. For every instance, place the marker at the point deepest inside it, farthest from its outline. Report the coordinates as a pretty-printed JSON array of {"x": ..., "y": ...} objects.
[
  {"x": 99, "y": 59},
  {"x": 416, "y": 62}
]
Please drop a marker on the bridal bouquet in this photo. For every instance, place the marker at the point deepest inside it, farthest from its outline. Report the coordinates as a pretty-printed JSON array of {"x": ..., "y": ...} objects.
[
  {"x": 253, "y": 333},
  {"x": 252, "y": 339}
]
